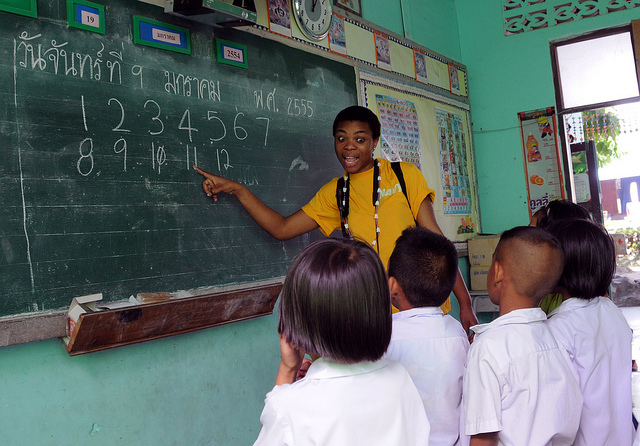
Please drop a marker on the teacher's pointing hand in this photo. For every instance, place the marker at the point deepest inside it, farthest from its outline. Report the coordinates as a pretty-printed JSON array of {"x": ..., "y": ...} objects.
[{"x": 214, "y": 184}]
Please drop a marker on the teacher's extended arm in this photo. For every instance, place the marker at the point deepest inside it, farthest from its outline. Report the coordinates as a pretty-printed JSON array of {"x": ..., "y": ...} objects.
[
  {"x": 427, "y": 219},
  {"x": 278, "y": 226}
]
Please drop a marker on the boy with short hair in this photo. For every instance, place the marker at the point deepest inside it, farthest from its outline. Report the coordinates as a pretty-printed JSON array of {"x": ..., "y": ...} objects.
[
  {"x": 519, "y": 386},
  {"x": 431, "y": 345}
]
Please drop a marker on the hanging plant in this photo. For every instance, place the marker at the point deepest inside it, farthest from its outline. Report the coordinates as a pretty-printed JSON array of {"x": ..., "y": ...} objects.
[{"x": 603, "y": 127}]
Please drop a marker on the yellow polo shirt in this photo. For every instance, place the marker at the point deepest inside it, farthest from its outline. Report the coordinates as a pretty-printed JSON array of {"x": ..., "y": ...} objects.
[{"x": 394, "y": 214}]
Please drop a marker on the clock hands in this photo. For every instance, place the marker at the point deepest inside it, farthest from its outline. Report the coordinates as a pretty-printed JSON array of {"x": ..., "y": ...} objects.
[{"x": 313, "y": 5}]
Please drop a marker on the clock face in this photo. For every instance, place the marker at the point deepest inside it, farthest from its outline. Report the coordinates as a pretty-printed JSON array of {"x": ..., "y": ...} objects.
[{"x": 313, "y": 17}]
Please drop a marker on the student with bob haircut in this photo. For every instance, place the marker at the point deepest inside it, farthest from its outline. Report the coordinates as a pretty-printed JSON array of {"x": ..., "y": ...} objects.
[
  {"x": 558, "y": 210},
  {"x": 594, "y": 332},
  {"x": 431, "y": 345},
  {"x": 553, "y": 211},
  {"x": 335, "y": 305}
]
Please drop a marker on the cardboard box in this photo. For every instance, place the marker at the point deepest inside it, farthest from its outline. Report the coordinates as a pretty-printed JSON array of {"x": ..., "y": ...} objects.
[
  {"x": 479, "y": 277},
  {"x": 481, "y": 249}
]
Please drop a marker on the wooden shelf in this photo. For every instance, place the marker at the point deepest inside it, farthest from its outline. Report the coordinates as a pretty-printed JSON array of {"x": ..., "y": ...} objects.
[{"x": 106, "y": 329}]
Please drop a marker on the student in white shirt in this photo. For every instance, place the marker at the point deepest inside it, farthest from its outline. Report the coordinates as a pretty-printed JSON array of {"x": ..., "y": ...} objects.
[
  {"x": 335, "y": 305},
  {"x": 594, "y": 332},
  {"x": 431, "y": 345},
  {"x": 519, "y": 387}
]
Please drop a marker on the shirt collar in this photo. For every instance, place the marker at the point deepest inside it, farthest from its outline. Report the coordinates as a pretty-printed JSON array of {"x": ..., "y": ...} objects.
[
  {"x": 521, "y": 316},
  {"x": 324, "y": 368},
  {"x": 417, "y": 312},
  {"x": 573, "y": 303}
]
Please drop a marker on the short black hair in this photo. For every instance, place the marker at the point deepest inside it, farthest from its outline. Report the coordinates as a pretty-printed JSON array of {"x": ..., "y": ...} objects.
[
  {"x": 590, "y": 257},
  {"x": 533, "y": 258},
  {"x": 335, "y": 302},
  {"x": 425, "y": 264},
  {"x": 561, "y": 210},
  {"x": 358, "y": 113}
]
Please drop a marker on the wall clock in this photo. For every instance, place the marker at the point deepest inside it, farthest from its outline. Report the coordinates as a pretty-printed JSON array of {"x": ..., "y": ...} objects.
[{"x": 313, "y": 17}]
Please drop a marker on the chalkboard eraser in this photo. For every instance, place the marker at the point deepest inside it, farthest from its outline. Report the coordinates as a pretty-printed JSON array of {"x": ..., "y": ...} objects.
[{"x": 80, "y": 305}]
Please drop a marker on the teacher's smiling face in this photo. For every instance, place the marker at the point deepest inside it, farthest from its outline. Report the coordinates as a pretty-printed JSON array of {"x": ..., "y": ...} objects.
[{"x": 354, "y": 144}]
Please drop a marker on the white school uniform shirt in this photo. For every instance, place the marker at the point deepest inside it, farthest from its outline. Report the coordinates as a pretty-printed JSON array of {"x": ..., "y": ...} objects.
[
  {"x": 363, "y": 404},
  {"x": 520, "y": 382},
  {"x": 598, "y": 339},
  {"x": 433, "y": 348}
]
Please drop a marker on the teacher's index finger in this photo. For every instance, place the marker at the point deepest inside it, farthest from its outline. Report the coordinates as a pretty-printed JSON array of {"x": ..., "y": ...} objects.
[{"x": 204, "y": 173}]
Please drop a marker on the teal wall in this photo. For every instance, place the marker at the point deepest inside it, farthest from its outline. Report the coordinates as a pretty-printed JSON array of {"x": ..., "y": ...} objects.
[
  {"x": 431, "y": 23},
  {"x": 202, "y": 388},
  {"x": 509, "y": 74}
]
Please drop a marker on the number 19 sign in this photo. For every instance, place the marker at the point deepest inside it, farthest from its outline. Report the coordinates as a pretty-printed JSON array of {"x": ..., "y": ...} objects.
[{"x": 86, "y": 15}]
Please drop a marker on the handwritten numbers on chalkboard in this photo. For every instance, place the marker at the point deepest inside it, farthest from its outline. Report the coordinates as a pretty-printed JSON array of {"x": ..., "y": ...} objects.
[
  {"x": 86, "y": 156},
  {"x": 238, "y": 130},
  {"x": 266, "y": 132},
  {"x": 299, "y": 107},
  {"x": 213, "y": 115},
  {"x": 156, "y": 118},
  {"x": 123, "y": 149},
  {"x": 226, "y": 164},
  {"x": 158, "y": 157},
  {"x": 187, "y": 117},
  {"x": 119, "y": 128}
]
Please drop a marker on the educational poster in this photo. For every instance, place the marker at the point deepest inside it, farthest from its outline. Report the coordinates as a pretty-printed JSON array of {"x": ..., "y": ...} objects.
[
  {"x": 456, "y": 191},
  {"x": 542, "y": 167},
  {"x": 400, "y": 135},
  {"x": 454, "y": 80},
  {"x": 574, "y": 128},
  {"x": 337, "y": 37},
  {"x": 379, "y": 93},
  {"x": 420, "y": 65},
  {"x": 383, "y": 55},
  {"x": 279, "y": 17}
]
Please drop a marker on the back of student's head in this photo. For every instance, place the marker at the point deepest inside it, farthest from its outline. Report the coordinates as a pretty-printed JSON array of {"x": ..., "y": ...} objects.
[
  {"x": 533, "y": 259},
  {"x": 560, "y": 210},
  {"x": 590, "y": 257},
  {"x": 358, "y": 113},
  {"x": 335, "y": 302},
  {"x": 425, "y": 264}
]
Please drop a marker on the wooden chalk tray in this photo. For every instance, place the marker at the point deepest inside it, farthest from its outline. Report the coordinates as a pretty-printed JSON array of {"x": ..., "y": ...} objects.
[{"x": 111, "y": 328}]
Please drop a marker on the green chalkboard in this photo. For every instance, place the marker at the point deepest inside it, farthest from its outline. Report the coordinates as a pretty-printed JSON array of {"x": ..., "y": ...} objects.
[{"x": 97, "y": 139}]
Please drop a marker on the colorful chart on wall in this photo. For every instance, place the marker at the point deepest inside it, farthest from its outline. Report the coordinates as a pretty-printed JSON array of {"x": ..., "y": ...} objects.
[
  {"x": 400, "y": 134},
  {"x": 437, "y": 126},
  {"x": 456, "y": 184},
  {"x": 543, "y": 171}
]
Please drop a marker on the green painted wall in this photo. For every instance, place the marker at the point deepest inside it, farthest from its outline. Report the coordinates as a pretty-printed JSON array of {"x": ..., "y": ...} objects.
[
  {"x": 433, "y": 24},
  {"x": 509, "y": 74},
  {"x": 202, "y": 388}
]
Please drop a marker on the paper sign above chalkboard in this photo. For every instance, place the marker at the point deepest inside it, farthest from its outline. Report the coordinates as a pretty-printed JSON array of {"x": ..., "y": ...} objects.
[{"x": 86, "y": 15}]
